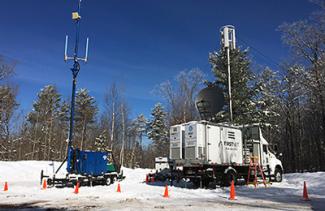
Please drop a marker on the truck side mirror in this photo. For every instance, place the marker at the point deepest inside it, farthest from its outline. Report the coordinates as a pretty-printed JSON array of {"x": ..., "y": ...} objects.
[{"x": 275, "y": 147}]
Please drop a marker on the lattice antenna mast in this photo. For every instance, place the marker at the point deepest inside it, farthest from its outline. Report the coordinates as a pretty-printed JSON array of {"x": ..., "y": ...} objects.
[
  {"x": 228, "y": 41},
  {"x": 76, "y": 66}
]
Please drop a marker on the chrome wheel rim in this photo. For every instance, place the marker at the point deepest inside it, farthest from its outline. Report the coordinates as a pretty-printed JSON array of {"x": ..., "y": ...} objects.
[
  {"x": 278, "y": 176},
  {"x": 108, "y": 181}
]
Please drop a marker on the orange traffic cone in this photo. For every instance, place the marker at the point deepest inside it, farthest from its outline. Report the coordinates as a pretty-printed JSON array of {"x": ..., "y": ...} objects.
[
  {"x": 76, "y": 189},
  {"x": 147, "y": 179},
  {"x": 232, "y": 191},
  {"x": 44, "y": 186},
  {"x": 118, "y": 188},
  {"x": 166, "y": 192},
  {"x": 5, "y": 187},
  {"x": 305, "y": 193}
]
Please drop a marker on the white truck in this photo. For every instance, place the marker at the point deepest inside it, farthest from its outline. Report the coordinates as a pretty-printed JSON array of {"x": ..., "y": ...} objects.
[{"x": 211, "y": 153}]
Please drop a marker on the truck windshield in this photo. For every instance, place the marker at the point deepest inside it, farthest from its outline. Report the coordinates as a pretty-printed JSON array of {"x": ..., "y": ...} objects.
[{"x": 251, "y": 133}]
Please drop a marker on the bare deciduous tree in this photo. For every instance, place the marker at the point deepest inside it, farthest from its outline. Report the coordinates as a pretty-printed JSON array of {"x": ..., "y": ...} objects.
[{"x": 180, "y": 98}]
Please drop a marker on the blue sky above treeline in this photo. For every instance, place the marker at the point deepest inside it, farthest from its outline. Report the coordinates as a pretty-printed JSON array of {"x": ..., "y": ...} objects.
[{"x": 136, "y": 44}]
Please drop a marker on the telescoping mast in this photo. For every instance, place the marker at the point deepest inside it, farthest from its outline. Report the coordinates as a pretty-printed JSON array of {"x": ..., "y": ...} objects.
[{"x": 75, "y": 70}]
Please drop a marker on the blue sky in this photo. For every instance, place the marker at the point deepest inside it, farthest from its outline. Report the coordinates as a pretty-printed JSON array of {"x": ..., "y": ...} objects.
[{"x": 136, "y": 44}]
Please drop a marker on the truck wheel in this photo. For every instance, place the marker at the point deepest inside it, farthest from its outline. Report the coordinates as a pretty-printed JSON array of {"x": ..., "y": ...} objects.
[
  {"x": 90, "y": 181},
  {"x": 196, "y": 183},
  {"x": 114, "y": 179},
  {"x": 277, "y": 175},
  {"x": 49, "y": 182},
  {"x": 229, "y": 177},
  {"x": 108, "y": 180}
]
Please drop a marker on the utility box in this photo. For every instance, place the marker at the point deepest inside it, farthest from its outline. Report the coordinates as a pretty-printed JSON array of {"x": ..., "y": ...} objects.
[
  {"x": 195, "y": 141},
  {"x": 213, "y": 143},
  {"x": 161, "y": 163},
  {"x": 177, "y": 144},
  {"x": 224, "y": 145},
  {"x": 87, "y": 168},
  {"x": 87, "y": 162}
]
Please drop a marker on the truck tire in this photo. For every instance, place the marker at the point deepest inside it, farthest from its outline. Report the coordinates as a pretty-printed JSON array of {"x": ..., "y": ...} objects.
[
  {"x": 42, "y": 175},
  {"x": 108, "y": 180},
  {"x": 277, "y": 175},
  {"x": 196, "y": 183},
  {"x": 49, "y": 182},
  {"x": 114, "y": 179},
  {"x": 229, "y": 177}
]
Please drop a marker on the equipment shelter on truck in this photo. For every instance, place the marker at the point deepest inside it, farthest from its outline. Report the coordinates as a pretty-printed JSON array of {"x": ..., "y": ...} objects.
[{"x": 211, "y": 153}]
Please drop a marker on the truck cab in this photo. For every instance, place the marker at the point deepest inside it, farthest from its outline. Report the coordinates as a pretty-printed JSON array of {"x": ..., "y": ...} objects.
[{"x": 256, "y": 145}]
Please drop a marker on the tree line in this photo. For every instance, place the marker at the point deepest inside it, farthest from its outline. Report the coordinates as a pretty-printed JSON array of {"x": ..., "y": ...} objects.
[{"x": 289, "y": 104}]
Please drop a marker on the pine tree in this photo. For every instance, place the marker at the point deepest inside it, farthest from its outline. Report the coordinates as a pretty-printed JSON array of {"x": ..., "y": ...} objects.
[
  {"x": 62, "y": 127},
  {"x": 86, "y": 110},
  {"x": 137, "y": 129},
  {"x": 101, "y": 143},
  {"x": 241, "y": 78},
  {"x": 140, "y": 125},
  {"x": 8, "y": 105},
  {"x": 158, "y": 131},
  {"x": 267, "y": 98},
  {"x": 42, "y": 119}
]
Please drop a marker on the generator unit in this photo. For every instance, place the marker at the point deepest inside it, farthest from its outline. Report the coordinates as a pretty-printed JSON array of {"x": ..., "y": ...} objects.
[
  {"x": 177, "y": 143},
  {"x": 194, "y": 141},
  {"x": 87, "y": 162}
]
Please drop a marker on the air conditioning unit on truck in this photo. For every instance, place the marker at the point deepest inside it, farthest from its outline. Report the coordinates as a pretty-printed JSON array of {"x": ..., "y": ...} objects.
[{"x": 210, "y": 153}]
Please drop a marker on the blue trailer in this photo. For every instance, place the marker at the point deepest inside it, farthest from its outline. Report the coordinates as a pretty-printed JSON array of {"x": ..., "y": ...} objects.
[
  {"x": 87, "y": 168},
  {"x": 87, "y": 162}
]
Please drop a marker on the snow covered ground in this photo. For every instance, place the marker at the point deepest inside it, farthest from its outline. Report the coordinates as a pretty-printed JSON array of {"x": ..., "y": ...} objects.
[{"x": 25, "y": 191}]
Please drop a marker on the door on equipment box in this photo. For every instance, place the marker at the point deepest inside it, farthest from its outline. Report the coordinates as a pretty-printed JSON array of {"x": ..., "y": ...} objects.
[
  {"x": 256, "y": 154},
  {"x": 265, "y": 160}
]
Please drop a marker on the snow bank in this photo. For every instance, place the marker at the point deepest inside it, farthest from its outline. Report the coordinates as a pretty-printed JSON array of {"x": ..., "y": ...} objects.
[
  {"x": 25, "y": 171},
  {"x": 24, "y": 187},
  {"x": 315, "y": 182}
]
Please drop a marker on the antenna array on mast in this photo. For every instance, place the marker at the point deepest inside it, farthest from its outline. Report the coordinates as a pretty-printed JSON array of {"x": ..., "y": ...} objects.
[
  {"x": 76, "y": 66},
  {"x": 76, "y": 17},
  {"x": 228, "y": 41},
  {"x": 228, "y": 38}
]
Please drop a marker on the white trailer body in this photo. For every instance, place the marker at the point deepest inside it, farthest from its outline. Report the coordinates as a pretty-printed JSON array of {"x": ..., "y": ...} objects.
[
  {"x": 213, "y": 144},
  {"x": 220, "y": 152},
  {"x": 224, "y": 145},
  {"x": 177, "y": 143}
]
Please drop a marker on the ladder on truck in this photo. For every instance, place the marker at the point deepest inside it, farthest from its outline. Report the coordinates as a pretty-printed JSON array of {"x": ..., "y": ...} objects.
[{"x": 257, "y": 169}]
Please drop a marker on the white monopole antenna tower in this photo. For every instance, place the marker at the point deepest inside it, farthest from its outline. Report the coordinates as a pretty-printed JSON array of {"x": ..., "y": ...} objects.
[{"x": 228, "y": 41}]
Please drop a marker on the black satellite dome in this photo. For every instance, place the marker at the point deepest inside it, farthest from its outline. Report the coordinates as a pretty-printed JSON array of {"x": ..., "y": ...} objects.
[{"x": 209, "y": 102}]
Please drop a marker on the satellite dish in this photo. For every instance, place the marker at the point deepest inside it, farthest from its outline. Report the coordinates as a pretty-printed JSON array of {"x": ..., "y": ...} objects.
[{"x": 209, "y": 102}]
